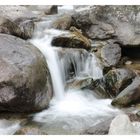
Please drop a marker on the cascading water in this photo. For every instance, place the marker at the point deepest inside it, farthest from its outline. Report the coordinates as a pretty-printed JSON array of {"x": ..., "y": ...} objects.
[{"x": 72, "y": 111}]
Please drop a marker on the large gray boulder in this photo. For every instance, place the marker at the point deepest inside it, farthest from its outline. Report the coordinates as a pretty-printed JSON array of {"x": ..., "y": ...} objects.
[{"x": 25, "y": 83}]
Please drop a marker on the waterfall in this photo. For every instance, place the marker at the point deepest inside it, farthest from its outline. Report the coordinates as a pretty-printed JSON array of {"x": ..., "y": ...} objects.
[
  {"x": 79, "y": 62},
  {"x": 70, "y": 111},
  {"x": 44, "y": 44}
]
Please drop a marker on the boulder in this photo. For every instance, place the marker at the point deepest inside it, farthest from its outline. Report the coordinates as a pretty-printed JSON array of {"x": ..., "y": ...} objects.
[
  {"x": 130, "y": 95},
  {"x": 14, "y": 12},
  {"x": 25, "y": 83},
  {"x": 113, "y": 82},
  {"x": 101, "y": 128},
  {"x": 121, "y": 23},
  {"x": 108, "y": 52},
  {"x": 78, "y": 83},
  {"x": 21, "y": 28},
  {"x": 26, "y": 26},
  {"x": 63, "y": 22},
  {"x": 71, "y": 40},
  {"x": 9, "y": 27},
  {"x": 121, "y": 125}
]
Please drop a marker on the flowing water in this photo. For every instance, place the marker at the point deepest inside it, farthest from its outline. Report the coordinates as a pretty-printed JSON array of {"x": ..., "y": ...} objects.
[{"x": 71, "y": 111}]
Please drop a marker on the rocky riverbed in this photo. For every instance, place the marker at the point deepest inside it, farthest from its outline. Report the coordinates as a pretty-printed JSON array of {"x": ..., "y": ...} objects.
[{"x": 95, "y": 51}]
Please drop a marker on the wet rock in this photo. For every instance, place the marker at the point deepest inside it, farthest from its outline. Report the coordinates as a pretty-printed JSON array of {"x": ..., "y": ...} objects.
[
  {"x": 130, "y": 95},
  {"x": 63, "y": 22},
  {"x": 122, "y": 125},
  {"x": 109, "y": 53},
  {"x": 25, "y": 83},
  {"x": 113, "y": 82},
  {"x": 71, "y": 40},
  {"x": 78, "y": 83}
]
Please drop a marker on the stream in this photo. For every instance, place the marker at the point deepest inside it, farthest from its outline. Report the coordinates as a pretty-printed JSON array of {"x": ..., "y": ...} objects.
[{"x": 71, "y": 111}]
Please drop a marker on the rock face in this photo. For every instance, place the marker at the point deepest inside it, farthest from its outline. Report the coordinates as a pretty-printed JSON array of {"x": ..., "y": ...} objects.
[
  {"x": 17, "y": 21},
  {"x": 79, "y": 83},
  {"x": 22, "y": 28},
  {"x": 15, "y": 11},
  {"x": 129, "y": 95},
  {"x": 99, "y": 129},
  {"x": 113, "y": 82},
  {"x": 121, "y": 125},
  {"x": 71, "y": 40},
  {"x": 63, "y": 23},
  {"x": 26, "y": 26},
  {"x": 25, "y": 83},
  {"x": 104, "y": 22},
  {"x": 109, "y": 53}
]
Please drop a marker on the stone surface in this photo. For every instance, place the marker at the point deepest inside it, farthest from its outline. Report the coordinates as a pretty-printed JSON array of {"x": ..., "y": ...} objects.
[
  {"x": 130, "y": 95},
  {"x": 99, "y": 129},
  {"x": 113, "y": 82},
  {"x": 25, "y": 83},
  {"x": 78, "y": 83},
  {"x": 71, "y": 40},
  {"x": 121, "y": 125},
  {"x": 109, "y": 53},
  {"x": 63, "y": 22},
  {"x": 104, "y": 22}
]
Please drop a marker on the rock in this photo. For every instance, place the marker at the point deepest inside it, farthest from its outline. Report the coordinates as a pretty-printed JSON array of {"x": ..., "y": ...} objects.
[
  {"x": 25, "y": 83},
  {"x": 18, "y": 21},
  {"x": 99, "y": 129},
  {"x": 109, "y": 53},
  {"x": 121, "y": 125},
  {"x": 9, "y": 27},
  {"x": 130, "y": 95},
  {"x": 21, "y": 28},
  {"x": 14, "y": 12},
  {"x": 78, "y": 83},
  {"x": 26, "y": 26},
  {"x": 63, "y": 23},
  {"x": 52, "y": 9},
  {"x": 105, "y": 22},
  {"x": 112, "y": 83},
  {"x": 71, "y": 40}
]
